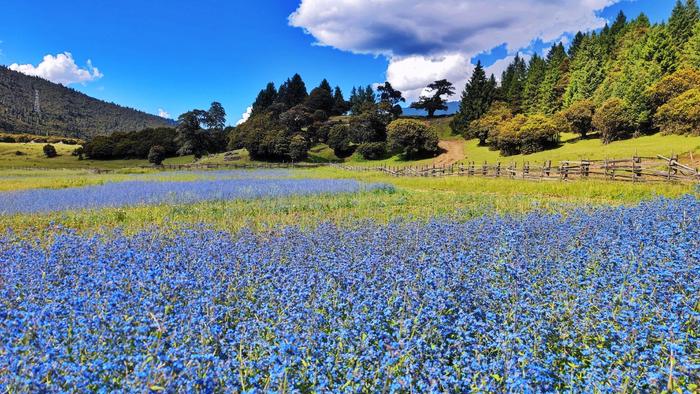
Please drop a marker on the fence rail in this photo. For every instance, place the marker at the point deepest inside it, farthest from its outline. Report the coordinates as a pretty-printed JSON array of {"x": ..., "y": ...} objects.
[{"x": 635, "y": 169}]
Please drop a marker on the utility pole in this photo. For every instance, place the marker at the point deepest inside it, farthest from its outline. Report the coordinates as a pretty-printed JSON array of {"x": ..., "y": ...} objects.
[{"x": 37, "y": 110}]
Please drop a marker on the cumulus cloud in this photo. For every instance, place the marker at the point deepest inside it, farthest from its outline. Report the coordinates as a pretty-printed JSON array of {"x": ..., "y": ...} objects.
[
  {"x": 60, "y": 69},
  {"x": 426, "y": 40},
  {"x": 163, "y": 113},
  {"x": 245, "y": 116}
]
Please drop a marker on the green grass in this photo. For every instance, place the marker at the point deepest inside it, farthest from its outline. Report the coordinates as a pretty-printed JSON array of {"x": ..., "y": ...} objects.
[
  {"x": 33, "y": 157},
  {"x": 413, "y": 199},
  {"x": 573, "y": 148}
]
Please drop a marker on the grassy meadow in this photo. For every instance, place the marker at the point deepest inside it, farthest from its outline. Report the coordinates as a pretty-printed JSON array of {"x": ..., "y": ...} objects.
[{"x": 421, "y": 199}]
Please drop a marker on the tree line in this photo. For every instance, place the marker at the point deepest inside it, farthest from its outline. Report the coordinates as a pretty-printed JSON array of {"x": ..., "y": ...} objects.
[
  {"x": 286, "y": 122},
  {"x": 628, "y": 79}
]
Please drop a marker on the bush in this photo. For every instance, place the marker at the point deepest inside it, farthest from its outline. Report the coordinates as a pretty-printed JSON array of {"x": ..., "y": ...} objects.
[
  {"x": 483, "y": 127},
  {"x": 613, "y": 120},
  {"x": 19, "y": 153},
  {"x": 412, "y": 138},
  {"x": 339, "y": 141},
  {"x": 156, "y": 155},
  {"x": 79, "y": 151},
  {"x": 579, "y": 117},
  {"x": 526, "y": 134},
  {"x": 298, "y": 148},
  {"x": 320, "y": 116},
  {"x": 372, "y": 150},
  {"x": 368, "y": 127},
  {"x": 673, "y": 85},
  {"x": 50, "y": 151},
  {"x": 681, "y": 115}
]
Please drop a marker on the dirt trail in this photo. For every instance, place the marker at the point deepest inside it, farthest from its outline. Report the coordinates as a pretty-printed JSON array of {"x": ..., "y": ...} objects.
[{"x": 454, "y": 152}]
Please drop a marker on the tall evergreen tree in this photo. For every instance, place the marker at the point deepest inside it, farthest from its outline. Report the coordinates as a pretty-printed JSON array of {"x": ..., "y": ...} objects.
[
  {"x": 660, "y": 48},
  {"x": 691, "y": 52},
  {"x": 292, "y": 92},
  {"x": 587, "y": 70},
  {"x": 512, "y": 83},
  {"x": 682, "y": 21},
  {"x": 340, "y": 106},
  {"x": 632, "y": 72},
  {"x": 265, "y": 99},
  {"x": 321, "y": 98},
  {"x": 535, "y": 76},
  {"x": 555, "y": 81},
  {"x": 576, "y": 44},
  {"x": 477, "y": 96}
]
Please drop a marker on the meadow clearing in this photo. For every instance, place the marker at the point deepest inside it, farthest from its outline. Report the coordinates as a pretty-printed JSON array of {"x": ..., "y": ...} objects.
[{"x": 328, "y": 280}]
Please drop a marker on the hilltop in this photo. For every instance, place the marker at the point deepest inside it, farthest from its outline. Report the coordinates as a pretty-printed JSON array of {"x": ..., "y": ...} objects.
[{"x": 64, "y": 111}]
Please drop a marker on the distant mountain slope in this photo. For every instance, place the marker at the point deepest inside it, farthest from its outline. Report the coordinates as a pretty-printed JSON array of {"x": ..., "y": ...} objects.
[
  {"x": 64, "y": 111},
  {"x": 452, "y": 108}
]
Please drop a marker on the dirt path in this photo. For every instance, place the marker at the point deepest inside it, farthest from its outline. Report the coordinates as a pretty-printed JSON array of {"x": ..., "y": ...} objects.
[{"x": 454, "y": 152}]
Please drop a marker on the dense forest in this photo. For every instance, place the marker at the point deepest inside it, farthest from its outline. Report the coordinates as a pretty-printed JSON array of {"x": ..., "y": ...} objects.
[
  {"x": 628, "y": 79},
  {"x": 63, "y": 111}
]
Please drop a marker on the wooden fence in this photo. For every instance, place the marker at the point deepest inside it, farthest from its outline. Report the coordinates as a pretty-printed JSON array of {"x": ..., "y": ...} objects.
[{"x": 635, "y": 169}]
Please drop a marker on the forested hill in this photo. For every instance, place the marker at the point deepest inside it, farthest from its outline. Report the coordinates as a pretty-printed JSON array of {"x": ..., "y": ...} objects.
[{"x": 64, "y": 111}]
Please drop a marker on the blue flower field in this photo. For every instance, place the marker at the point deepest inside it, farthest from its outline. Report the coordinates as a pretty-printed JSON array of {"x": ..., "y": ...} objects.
[{"x": 602, "y": 300}]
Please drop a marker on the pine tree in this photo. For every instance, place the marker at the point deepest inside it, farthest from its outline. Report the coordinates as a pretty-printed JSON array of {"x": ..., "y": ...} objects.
[
  {"x": 660, "y": 48},
  {"x": 555, "y": 81},
  {"x": 632, "y": 73},
  {"x": 512, "y": 83},
  {"x": 576, "y": 44},
  {"x": 265, "y": 99},
  {"x": 587, "y": 71},
  {"x": 535, "y": 75},
  {"x": 691, "y": 52},
  {"x": 321, "y": 98},
  {"x": 340, "y": 106},
  {"x": 477, "y": 96},
  {"x": 682, "y": 20},
  {"x": 619, "y": 24}
]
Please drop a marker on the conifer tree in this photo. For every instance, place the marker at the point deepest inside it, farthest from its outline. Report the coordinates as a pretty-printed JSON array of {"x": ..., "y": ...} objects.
[
  {"x": 555, "y": 81},
  {"x": 512, "y": 83},
  {"x": 682, "y": 21},
  {"x": 535, "y": 75},
  {"x": 691, "y": 52},
  {"x": 477, "y": 96},
  {"x": 265, "y": 99},
  {"x": 340, "y": 106}
]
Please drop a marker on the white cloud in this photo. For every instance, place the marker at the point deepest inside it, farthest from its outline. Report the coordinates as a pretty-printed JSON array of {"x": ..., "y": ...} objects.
[
  {"x": 163, "y": 113},
  {"x": 426, "y": 40},
  {"x": 245, "y": 116},
  {"x": 60, "y": 69}
]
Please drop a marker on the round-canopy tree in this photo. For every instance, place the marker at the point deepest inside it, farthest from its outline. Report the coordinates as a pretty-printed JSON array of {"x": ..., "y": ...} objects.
[{"x": 412, "y": 138}]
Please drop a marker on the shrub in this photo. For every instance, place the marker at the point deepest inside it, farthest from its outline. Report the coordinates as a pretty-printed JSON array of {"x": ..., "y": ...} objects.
[
  {"x": 579, "y": 117},
  {"x": 298, "y": 148},
  {"x": 79, "y": 151},
  {"x": 412, "y": 138},
  {"x": 372, "y": 150},
  {"x": 673, "y": 85},
  {"x": 368, "y": 127},
  {"x": 680, "y": 115},
  {"x": 339, "y": 141},
  {"x": 19, "y": 153},
  {"x": 156, "y": 155},
  {"x": 505, "y": 137},
  {"x": 320, "y": 116},
  {"x": 526, "y": 134},
  {"x": 50, "y": 151},
  {"x": 613, "y": 120},
  {"x": 481, "y": 128}
]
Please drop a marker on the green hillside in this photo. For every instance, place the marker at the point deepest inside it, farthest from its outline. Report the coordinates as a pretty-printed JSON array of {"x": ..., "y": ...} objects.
[{"x": 64, "y": 111}]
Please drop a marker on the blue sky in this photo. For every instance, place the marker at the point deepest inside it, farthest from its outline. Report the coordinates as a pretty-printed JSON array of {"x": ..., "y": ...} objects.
[{"x": 177, "y": 55}]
